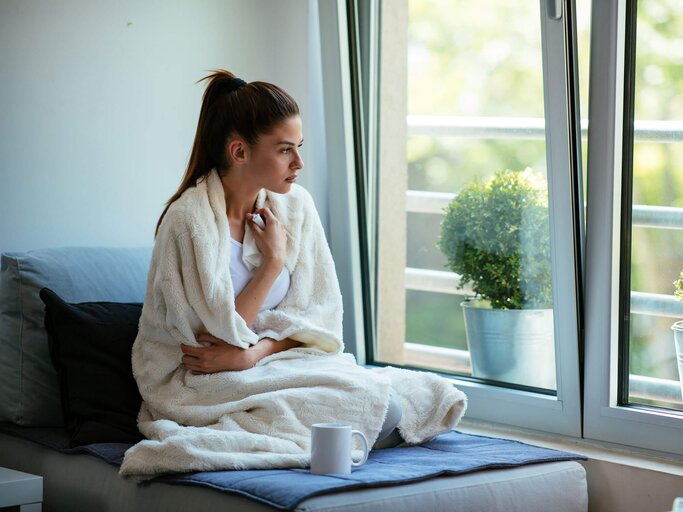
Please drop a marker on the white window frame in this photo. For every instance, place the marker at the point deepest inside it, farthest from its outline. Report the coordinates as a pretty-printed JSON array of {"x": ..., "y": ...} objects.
[
  {"x": 343, "y": 229},
  {"x": 604, "y": 419},
  {"x": 561, "y": 413}
]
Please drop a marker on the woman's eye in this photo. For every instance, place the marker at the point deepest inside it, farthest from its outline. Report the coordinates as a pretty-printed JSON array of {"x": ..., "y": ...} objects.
[{"x": 287, "y": 150}]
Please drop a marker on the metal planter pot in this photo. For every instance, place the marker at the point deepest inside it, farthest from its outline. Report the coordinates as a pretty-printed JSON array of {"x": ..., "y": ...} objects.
[
  {"x": 678, "y": 338},
  {"x": 513, "y": 345}
]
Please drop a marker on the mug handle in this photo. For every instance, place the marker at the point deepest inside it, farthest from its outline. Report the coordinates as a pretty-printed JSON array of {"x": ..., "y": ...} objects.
[{"x": 364, "y": 441}]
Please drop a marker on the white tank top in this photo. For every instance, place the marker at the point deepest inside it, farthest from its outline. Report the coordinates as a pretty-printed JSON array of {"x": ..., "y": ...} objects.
[{"x": 241, "y": 276}]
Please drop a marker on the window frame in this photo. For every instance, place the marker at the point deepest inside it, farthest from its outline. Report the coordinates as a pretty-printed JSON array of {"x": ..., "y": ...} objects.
[
  {"x": 344, "y": 234},
  {"x": 560, "y": 413},
  {"x": 604, "y": 418}
]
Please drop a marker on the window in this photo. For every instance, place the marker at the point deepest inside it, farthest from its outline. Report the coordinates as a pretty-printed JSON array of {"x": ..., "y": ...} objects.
[
  {"x": 485, "y": 115},
  {"x": 654, "y": 231},
  {"x": 474, "y": 107},
  {"x": 634, "y": 239},
  {"x": 464, "y": 90}
]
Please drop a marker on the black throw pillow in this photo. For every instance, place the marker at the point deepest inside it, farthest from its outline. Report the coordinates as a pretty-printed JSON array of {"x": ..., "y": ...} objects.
[{"x": 90, "y": 345}]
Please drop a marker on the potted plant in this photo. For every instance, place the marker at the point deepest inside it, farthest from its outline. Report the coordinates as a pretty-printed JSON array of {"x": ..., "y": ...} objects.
[
  {"x": 678, "y": 330},
  {"x": 496, "y": 235}
]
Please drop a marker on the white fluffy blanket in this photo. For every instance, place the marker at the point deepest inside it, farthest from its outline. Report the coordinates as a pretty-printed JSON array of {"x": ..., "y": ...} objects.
[{"x": 258, "y": 418}]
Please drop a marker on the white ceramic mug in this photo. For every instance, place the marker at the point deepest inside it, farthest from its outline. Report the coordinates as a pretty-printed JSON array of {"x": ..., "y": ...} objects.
[{"x": 331, "y": 448}]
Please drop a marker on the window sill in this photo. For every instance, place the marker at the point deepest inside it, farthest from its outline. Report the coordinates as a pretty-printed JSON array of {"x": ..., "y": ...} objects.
[{"x": 593, "y": 450}]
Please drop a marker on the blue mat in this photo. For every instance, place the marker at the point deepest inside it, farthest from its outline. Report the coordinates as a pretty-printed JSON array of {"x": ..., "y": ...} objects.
[{"x": 451, "y": 453}]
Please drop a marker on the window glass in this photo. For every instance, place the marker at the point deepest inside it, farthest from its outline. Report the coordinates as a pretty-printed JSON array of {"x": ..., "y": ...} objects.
[
  {"x": 657, "y": 217},
  {"x": 583, "y": 23},
  {"x": 476, "y": 198}
]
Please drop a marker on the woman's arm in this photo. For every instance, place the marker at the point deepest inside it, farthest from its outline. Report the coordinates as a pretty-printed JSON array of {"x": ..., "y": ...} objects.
[
  {"x": 220, "y": 356},
  {"x": 271, "y": 241},
  {"x": 248, "y": 303},
  {"x": 268, "y": 346}
]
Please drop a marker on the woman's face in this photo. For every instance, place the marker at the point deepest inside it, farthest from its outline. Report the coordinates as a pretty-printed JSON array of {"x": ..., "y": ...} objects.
[{"x": 274, "y": 161}]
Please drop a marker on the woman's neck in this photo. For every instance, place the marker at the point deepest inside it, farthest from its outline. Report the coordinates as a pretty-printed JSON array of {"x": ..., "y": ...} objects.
[{"x": 240, "y": 196}]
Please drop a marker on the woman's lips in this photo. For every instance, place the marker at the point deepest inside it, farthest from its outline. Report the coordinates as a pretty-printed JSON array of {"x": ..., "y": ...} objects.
[{"x": 292, "y": 179}]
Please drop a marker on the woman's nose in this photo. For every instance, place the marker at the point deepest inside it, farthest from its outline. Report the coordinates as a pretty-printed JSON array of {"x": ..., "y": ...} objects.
[{"x": 298, "y": 163}]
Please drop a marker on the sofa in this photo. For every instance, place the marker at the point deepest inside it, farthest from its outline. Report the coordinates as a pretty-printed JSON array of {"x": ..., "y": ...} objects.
[{"x": 67, "y": 320}]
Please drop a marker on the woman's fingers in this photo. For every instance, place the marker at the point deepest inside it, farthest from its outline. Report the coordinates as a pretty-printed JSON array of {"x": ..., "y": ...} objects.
[
  {"x": 217, "y": 357},
  {"x": 267, "y": 213},
  {"x": 208, "y": 338},
  {"x": 189, "y": 349},
  {"x": 191, "y": 365},
  {"x": 196, "y": 359},
  {"x": 254, "y": 225},
  {"x": 195, "y": 364},
  {"x": 271, "y": 241},
  {"x": 266, "y": 216}
]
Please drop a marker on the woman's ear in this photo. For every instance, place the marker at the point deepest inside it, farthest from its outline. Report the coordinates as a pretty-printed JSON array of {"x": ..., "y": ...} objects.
[{"x": 237, "y": 150}]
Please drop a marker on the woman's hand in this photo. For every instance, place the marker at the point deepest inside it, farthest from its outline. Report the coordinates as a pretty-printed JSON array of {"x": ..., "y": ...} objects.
[
  {"x": 219, "y": 356},
  {"x": 271, "y": 240}
]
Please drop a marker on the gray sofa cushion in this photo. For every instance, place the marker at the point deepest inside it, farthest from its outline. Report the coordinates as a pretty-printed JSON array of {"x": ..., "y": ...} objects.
[{"x": 29, "y": 383}]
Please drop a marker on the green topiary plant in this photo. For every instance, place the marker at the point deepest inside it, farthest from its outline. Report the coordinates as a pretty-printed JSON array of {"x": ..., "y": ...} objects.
[
  {"x": 678, "y": 287},
  {"x": 496, "y": 235}
]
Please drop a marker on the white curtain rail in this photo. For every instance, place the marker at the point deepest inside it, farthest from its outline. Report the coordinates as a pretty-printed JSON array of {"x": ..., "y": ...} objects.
[
  {"x": 644, "y": 216},
  {"x": 530, "y": 128}
]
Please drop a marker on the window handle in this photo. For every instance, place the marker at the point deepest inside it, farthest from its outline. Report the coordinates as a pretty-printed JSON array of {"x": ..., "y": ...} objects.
[{"x": 555, "y": 9}]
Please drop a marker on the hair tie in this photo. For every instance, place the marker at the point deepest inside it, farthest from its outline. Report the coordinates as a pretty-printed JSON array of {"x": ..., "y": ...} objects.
[
  {"x": 222, "y": 88},
  {"x": 235, "y": 83}
]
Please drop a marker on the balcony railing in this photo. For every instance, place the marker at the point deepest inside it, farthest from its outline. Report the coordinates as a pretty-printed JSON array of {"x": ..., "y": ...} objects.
[
  {"x": 530, "y": 128},
  {"x": 662, "y": 217},
  {"x": 458, "y": 361},
  {"x": 642, "y": 387}
]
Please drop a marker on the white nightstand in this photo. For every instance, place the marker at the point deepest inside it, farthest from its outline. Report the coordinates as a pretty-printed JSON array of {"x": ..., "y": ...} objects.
[
  {"x": 20, "y": 491},
  {"x": 678, "y": 505}
]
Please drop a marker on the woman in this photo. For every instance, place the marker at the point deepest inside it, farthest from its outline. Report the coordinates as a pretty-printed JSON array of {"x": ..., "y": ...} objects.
[{"x": 239, "y": 348}]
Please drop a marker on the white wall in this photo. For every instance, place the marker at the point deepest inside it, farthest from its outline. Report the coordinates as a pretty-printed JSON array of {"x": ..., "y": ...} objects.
[{"x": 98, "y": 106}]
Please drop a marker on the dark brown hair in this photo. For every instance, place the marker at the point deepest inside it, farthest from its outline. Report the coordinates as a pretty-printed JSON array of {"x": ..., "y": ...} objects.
[{"x": 231, "y": 108}]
